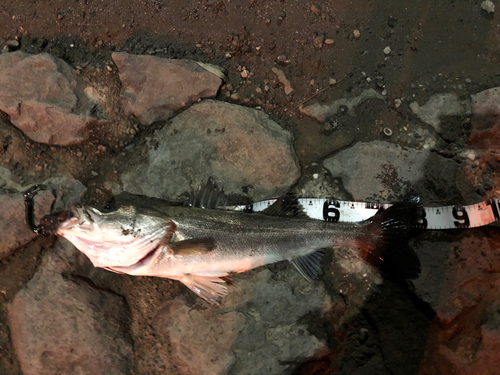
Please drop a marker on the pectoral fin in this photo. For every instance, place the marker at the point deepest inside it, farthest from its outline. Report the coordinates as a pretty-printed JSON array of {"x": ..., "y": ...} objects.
[
  {"x": 194, "y": 246},
  {"x": 210, "y": 288}
]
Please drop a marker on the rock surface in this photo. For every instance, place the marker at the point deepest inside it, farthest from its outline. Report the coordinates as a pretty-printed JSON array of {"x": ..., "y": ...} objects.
[
  {"x": 13, "y": 229},
  {"x": 253, "y": 325},
  {"x": 440, "y": 105},
  {"x": 322, "y": 112},
  {"x": 155, "y": 88},
  {"x": 240, "y": 147},
  {"x": 380, "y": 170},
  {"x": 44, "y": 98},
  {"x": 456, "y": 275},
  {"x": 64, "y": 324}
]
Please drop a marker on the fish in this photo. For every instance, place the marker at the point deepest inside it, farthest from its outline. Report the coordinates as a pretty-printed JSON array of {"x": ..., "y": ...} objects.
[{"x": 202, "y": 246}]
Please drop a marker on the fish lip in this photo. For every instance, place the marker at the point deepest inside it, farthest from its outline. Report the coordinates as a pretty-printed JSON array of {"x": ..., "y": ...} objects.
[{"x": 78, "y": 215}]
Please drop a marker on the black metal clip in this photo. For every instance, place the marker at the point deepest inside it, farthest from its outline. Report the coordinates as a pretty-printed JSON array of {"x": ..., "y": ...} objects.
[{"x": 29, "y": 205}]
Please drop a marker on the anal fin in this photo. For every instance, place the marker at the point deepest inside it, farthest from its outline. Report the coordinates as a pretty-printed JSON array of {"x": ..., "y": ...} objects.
[
  {"x": 210, "y": 288},
  {"x": 309, "y": 265}
]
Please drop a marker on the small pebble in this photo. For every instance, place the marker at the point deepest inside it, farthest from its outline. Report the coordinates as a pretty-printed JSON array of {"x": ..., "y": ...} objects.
[
  {"x": 244, "y": 73},
  {"x": 384, "y": 92},
  {"x": 281, "y": 58},
  {"x": 387, "y": 50},
  {"x": 468, "y": 80},
  {"x": 388, "y": 131},
  {"x": 488, "y": 6},
  {"x": 397, "y": 103},
  {"x": 228, "y": 55},
  {"x": 258, "y": 90},
  {"x": 329, "y": 41},
  {"x": 368, "y": 79},
  {"x": 13, "y": 43},
  {"x": 316, "y": 9},
  {"x": 315, "y": 175},
  {"x": 198, "y": 45},
  {"x": 356, "y": 34},
  {"x": 332, "y": 81},
  {"x": 235, "y": 96},
  {"x": 94, "y": 173}
]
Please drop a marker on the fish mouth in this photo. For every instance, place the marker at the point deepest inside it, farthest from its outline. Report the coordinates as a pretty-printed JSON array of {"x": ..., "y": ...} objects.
[{"x": 78, "y": 216}]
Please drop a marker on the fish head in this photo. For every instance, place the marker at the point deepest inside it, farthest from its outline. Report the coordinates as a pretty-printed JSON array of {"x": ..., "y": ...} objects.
[{"x": 114, "y": 236}]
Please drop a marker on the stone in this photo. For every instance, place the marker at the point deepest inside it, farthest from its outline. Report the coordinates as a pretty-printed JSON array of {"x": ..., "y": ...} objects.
[
  {"x": 44, "y": 98},
  {"x": 283, "y": 80},
  {"x": 488, "y": 6},
  {"x": 154, "y": 88},
  {"x": 440, "y": 105},
  {"x": 245, "y": 151},
  {"x": 13, "y": 228},
  {"x": 456, "y": 274},
  {"x": 322, "y": 112},
  {"x": 14, "y": 231},
  {"x": 258, "y": 338},
  {"x": 382, "y": 171},
  {"x": 387, "y": 50},
  {"x": 64, "y": 324}
]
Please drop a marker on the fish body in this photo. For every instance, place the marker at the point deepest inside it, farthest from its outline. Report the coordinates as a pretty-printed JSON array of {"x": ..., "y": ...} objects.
[{"x": 200, "y": 247}]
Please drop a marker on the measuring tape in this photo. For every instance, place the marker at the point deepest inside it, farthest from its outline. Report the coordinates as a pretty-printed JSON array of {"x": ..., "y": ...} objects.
[{"x": 446, "y": 217}]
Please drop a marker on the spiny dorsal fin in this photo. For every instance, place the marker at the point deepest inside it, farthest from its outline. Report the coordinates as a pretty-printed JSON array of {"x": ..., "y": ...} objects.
[
  {"x": 195, "y": 246},
  {"x": 208, "y": 196},
  {"x": 288, "y": 206},
  {"x": 309, "y": 265}
]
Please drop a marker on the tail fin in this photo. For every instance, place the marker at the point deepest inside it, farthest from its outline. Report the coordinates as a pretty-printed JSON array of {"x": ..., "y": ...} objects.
[{"x": 385, "y": 244}]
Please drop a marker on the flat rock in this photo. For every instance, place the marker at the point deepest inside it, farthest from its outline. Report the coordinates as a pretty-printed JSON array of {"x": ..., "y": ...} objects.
[
  {"x": 383, "y": 171},
  {"x": 65, "y": 325},
  {"x": 44, "y": 98},
  {"x": 155, "y": 88},
  {"x": 245, "y": 151},
  {"x": 440, "y": 105},
  {"x": 259, "y": 329},
  {"x": 323, "y": 112},
  {"x": 456, "y": 275}
]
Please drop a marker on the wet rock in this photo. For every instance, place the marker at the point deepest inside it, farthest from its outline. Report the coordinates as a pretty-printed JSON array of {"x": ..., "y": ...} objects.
[
  {"x": 13, "y": 228},
  {"x": 155, "y": 88},
  {"x": 382, "y": 171},
  {"x": 258, "y": 337},
  {"x": 245, "y": 151},
  {"x": 44, "y": 98},
  {"x": 322, "y": 112},
  {"x": 456, "y": 275},
  {"x": 283, "y": 80},
  {"x": 440, "y": 105},
  {"x": 62, "y": 324}
]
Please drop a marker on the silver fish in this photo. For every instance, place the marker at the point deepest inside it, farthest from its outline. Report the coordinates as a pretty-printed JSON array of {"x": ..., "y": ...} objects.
[{"x": 202, "y": 247}]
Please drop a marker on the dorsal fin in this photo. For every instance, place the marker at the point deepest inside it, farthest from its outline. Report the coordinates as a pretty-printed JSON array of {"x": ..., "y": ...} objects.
[
  {"x": 288, "y": 206},
  {"x": 309, "y": 265},
  {"x": 208, "y": 196}
]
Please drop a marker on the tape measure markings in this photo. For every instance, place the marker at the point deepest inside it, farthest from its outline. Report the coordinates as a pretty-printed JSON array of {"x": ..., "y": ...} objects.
[{"x": 445, "y": 217}]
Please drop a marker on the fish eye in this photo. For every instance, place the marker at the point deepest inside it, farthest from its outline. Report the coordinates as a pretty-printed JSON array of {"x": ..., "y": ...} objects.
[{"x": 109, "y": 207}]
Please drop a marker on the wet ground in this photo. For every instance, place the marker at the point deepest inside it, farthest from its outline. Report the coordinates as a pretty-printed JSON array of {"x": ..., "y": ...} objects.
[{"x": 434, "y": 47}]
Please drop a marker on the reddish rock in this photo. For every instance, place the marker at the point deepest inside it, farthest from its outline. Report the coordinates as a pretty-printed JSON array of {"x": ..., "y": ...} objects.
[
  {"x": 62, "y": 324},
  {"x": 44, "y": 98},
  {"x": 14, "y": 232},
  {"x": 155, "y": 88}
]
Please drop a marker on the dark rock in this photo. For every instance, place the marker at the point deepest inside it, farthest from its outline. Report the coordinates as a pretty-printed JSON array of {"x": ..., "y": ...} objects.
[
  {"x": 238, "y": 146},
  {"x": 155, "y": 88},
  {"x": 383, "y": 171},
  {"x": 44, "y": 98}
]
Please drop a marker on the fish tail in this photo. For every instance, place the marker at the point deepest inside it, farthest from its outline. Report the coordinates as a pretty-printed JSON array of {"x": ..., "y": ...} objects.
[{"x": 384, "y": 243}]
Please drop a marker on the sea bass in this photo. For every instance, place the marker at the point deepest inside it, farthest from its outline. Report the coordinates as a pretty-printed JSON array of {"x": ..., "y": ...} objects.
[{"x": 202, "y": 247}]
